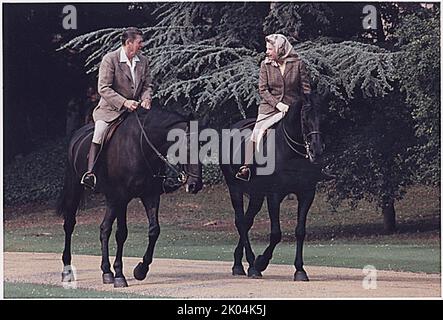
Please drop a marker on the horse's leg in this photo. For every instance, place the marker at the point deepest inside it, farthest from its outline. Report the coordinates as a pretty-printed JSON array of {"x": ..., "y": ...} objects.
[
  {"x": 273, "y": 200},
  {"x": 121, "y": 234},
  {"x": 105, "y": 233},
  {"x": 151, "y": 204},
  {"x": 237, "y": 203},
  {"x": 68, "y": 226},
  {"x": 236, "y": 196},
  {"x": 254, "y": 206},
  {"x": 305, "y": 200},
  {"x": 68, "y": 207}
]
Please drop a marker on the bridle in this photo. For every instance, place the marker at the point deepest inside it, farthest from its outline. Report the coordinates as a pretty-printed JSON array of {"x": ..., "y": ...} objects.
[
  {"x": 291, "y": 142},
  {"x": 182, "y": 175}
]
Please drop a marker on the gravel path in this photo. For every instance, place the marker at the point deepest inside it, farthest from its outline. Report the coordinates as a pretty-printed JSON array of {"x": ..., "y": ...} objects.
[{"x": 212, "y": 279}]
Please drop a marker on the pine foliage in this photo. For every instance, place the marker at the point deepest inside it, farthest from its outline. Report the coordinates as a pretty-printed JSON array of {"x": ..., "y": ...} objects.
[
  {"x": 207, "y": 54},
  {"x": 296, "y": 20},
  {"x": 342, "y": 68}
]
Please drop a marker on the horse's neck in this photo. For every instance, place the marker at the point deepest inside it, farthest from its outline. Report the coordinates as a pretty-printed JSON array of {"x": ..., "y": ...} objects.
[
  {"x": 292, "y": 125},
  {"x": 287, "y": 132},
  {"x": 160, "y": 134}
]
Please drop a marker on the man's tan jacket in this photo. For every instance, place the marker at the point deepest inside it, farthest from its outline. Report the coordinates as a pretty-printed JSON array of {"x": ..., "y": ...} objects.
[{"x": 115, "y": 85}]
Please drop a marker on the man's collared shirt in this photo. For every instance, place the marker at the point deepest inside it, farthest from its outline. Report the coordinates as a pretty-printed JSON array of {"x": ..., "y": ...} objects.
[{"x": 124, "y": 58}]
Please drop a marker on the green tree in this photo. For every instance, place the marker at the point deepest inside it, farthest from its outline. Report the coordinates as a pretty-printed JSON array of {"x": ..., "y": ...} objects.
[
  {"x": 370, "y": 151},
  {"x": 382, "y": 145},
  {"x": 418, "y": 67}
]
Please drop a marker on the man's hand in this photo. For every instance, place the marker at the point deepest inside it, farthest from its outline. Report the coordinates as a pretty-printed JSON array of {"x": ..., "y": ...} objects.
[
  {"x": 282, "y": 107},
  {"x": 146, "y": 104},
  {"x": 131, "y": 105}
]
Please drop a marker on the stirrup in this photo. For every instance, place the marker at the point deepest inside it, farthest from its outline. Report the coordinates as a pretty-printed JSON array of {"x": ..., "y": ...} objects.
[
  {"x": 86, "y": 180},
  {"x": 244, "y": 173}
]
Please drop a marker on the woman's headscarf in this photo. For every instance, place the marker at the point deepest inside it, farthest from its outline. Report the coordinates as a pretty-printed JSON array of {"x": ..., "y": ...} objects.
[{"x": 282, "y": 46}]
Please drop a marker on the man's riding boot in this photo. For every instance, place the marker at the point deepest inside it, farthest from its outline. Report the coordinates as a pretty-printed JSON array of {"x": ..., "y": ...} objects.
[{"x": 89, "y": 179}]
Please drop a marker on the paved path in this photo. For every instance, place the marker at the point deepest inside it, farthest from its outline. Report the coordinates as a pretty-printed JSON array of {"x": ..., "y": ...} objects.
[{"x": 212, "y": 279}]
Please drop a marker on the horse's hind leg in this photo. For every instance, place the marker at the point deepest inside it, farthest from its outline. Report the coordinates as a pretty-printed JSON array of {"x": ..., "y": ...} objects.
[
  {"x": 121, "y": 234},
  {"x": 254, "y": 206},
  {"x": 69, "y": 209},
  {"x": 305, "y": 200},
  {"x": 68, "y": 226},
  {"x": 237, "y": 203},
  {"x": 151, "y": 204},
  {"x": 262, "y": 261}
]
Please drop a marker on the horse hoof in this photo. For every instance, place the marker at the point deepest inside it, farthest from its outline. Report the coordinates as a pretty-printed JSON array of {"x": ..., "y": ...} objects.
[
  {"x": 68, "y": 275},
  {"x": 120, "y": 283},
  {"x": 238, "y": 271},
  {"x": 108, "y": 278},
  {"x": 140, "y": 271},
  {"x": 261, "y": 263},
  {"x": 301, "y": 276},
  {"x": 254, "y": 274}
]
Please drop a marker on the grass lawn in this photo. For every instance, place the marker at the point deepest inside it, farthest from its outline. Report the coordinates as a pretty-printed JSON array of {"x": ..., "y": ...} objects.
[
  {"x": 212, "y": 245},
  {"x": 202, "y": 227},
  {"x": 37, "y": 291}
]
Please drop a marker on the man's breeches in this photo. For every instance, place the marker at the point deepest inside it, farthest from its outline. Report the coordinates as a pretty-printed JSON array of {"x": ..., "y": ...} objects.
[{"x": 99, "y": 131}]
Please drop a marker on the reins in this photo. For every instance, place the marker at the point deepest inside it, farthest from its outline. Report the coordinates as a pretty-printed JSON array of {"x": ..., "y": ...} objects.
[
  {"x": 289, "y": 141},
  {"x": 182, "y": 175}
]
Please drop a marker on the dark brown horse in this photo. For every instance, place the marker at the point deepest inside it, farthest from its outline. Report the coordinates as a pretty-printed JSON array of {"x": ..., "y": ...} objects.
[
  {"x": 132, "y": 165},
  {"x": 298, "y": 147}
]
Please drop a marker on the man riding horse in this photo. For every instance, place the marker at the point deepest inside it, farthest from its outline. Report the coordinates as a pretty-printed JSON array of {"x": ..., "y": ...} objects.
[{"x": 123, "y": 80}]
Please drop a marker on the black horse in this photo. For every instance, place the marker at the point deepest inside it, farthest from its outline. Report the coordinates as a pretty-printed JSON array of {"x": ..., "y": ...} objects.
[
  {"x": 131, "y": 165},
  {"x": 298, "y": 148}
]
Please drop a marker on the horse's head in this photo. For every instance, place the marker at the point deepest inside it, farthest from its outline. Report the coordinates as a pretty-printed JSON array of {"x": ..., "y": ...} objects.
[
  {"x": 164, "y": 128},
  {"x": 310, "y": 124}
]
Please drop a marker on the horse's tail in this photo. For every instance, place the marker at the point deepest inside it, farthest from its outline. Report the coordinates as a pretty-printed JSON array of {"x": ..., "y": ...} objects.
[{"x": 71, "y": 194}]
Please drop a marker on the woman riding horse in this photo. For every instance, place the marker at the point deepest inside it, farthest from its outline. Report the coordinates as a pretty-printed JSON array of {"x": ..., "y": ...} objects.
[
  {"x": 288, "y": 107},
  {"x": 283, "y": 82}
]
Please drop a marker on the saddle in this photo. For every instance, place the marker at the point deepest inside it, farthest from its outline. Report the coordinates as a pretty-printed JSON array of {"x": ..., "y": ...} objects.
[
  {"x": 112, "y": 128},
  {"x": 84, "y": 135},
  {"x": 249, "y": 123}
]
